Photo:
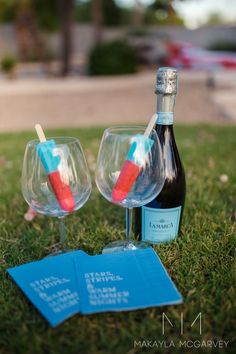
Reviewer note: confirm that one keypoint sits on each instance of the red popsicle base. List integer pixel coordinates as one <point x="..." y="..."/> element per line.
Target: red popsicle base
<point x="126" y="179"/>
<point x="62" y="192"/>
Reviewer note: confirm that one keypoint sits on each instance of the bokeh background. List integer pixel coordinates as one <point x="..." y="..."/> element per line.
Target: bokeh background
<point x="78" y="67"/>
<point x="69" y="63"/>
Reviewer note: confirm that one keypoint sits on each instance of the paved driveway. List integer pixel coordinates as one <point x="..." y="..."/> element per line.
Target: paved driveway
<point x="102" y="101"/>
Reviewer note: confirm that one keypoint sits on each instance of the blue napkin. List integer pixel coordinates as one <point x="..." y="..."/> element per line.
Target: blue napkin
<point x="50" y="284"/>
<point x="64" y="285"/>
<point x="124" y="281"/>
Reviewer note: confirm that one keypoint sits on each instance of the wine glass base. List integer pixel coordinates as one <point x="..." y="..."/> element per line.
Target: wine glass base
<point x="121" y="246"/>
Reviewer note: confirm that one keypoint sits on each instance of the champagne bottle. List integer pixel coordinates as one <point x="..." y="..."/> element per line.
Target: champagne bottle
<point x="160" y="220"/>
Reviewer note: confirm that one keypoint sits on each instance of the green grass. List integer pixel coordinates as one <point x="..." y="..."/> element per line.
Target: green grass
<point x="201" y="261"/>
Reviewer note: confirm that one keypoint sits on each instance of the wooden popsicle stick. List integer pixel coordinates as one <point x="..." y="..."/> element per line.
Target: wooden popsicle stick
<point x="40" y="133"/>
<point x="150" y="125"/>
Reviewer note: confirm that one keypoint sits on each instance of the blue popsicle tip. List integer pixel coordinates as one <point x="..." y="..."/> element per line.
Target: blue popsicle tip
<point x="140" y="147"/>
<point x="45" y="151"/>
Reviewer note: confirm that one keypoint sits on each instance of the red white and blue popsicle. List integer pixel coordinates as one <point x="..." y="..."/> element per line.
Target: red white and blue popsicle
<point x="140" y="147"/>
<point x="50" y="161"/>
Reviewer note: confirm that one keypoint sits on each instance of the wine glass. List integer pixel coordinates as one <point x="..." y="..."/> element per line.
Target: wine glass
<point x="43" y="194"/>
<point x="119" y="145"/>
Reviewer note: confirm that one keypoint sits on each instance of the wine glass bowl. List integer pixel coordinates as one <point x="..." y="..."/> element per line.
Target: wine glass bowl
<point x="115" y="146"/>
<point x="36" y="187"/>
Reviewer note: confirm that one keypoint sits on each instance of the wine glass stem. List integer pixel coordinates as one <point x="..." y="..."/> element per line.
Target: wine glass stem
<point x="62" y="232"/>
<point x="128" y="223"/>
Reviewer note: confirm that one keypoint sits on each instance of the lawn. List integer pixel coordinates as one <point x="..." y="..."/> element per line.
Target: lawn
<point x="201" y="262"/>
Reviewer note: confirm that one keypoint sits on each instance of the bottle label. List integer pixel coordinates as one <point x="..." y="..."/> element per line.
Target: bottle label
<point x="160" y="225"/>
<point x="165" y="118"/>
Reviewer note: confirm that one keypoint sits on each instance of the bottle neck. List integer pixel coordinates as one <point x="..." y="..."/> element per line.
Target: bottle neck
<point x="165" y="109"/>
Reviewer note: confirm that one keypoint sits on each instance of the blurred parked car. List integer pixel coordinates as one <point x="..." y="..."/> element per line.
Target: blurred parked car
<point x="187" y="56"/>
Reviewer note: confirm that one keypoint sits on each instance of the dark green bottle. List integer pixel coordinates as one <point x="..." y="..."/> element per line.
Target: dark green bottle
<point x="160" y="220"/>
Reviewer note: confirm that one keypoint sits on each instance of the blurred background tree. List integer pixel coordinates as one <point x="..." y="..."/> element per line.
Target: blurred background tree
<point x="23" y="15"/>
<point x="97" y="16"/>
<point x="66" y="15"/>
<point x="162" y="12"/>
<point x="47" y="14"/>
<point x="31" y="17"/>
<point x="138" y="14"/>
<point x="215" y="18"/>
<point x="112" y="14"/>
